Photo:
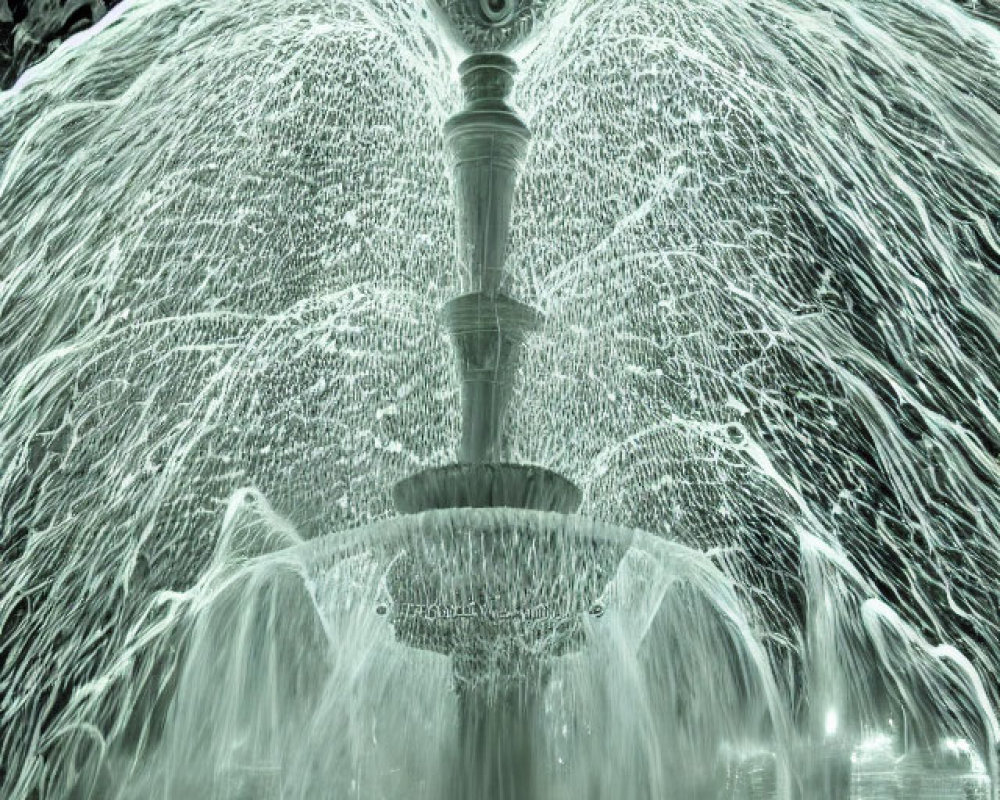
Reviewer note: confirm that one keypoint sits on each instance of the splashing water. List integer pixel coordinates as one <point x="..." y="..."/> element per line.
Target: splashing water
<point x="765" y="239"/>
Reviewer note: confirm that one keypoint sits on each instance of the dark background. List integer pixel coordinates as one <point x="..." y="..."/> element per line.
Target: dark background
<point x="31" y="29"/>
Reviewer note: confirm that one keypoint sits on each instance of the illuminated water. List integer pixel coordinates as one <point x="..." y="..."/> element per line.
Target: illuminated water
<point x="765" y="238"/>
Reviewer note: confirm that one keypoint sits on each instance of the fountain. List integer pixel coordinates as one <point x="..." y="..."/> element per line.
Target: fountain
<point x="722" y="520"/>
<point x="507" y="588"/>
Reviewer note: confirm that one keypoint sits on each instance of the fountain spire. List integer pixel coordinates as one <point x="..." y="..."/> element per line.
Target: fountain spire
<point x="511" y="601"/>
<point x="486" y="143"/>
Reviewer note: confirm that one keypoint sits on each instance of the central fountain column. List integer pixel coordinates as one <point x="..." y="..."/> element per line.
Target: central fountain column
<point x="503" y="599"/>
<point x="487" y="143"/>
<point x="497" y="703"/>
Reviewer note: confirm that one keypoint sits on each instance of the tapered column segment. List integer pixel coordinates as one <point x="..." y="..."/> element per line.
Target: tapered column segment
<point x="487" y="143"/>
<point x="487" y="333"/>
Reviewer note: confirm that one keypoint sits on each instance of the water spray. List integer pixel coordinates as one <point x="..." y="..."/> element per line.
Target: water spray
<point x="761" y="235"/>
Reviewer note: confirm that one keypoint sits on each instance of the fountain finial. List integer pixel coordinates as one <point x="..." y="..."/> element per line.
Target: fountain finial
<point x="479" y="26"/>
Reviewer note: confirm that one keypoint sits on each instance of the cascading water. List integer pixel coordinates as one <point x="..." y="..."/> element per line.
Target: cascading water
<point x="755" y="246"/>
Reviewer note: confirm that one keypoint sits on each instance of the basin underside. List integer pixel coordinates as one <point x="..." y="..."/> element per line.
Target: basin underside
<point x="500" y="590"/>
<point x="486" y="486"/>
<point x="500" y="594"/>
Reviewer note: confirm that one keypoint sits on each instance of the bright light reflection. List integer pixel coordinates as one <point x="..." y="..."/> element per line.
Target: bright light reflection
<point x="830" y="726"/>
<point x="956" y="746"/>
<point x="879" y="741"/>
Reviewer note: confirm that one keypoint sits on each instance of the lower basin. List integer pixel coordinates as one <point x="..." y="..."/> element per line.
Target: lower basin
<point x="495" y="653"/>
<point x="500" y="590"/>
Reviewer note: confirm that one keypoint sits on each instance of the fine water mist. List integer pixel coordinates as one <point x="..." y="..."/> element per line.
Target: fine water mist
<point x="765" y="241"/>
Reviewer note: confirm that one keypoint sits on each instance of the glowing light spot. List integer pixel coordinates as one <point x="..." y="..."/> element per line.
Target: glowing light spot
<point x="831" y="722"/>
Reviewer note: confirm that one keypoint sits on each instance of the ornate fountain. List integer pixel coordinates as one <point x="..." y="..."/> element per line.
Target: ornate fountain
<point x="517" y="586"/>
<point x="173" y="294"/>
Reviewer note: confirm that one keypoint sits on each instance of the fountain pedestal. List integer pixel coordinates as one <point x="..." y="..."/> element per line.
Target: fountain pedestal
<point x="497" y="741"/>
<point x="502" y="592"/>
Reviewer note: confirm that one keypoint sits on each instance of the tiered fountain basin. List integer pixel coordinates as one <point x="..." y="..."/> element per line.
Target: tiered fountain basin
<point x="501" y="590"/>
<point x="443" y="653"/>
